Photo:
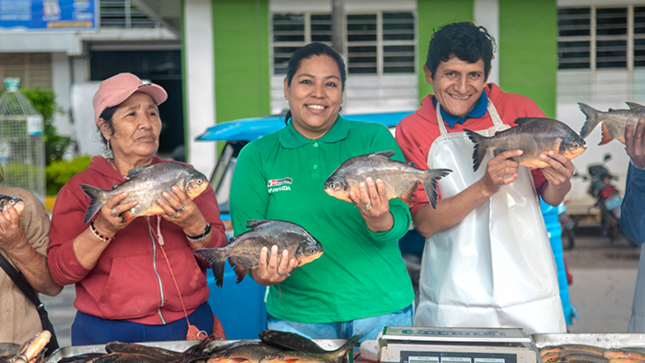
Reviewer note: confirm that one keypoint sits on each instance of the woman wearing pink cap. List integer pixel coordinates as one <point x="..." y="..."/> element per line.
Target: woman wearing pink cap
<point x="126" y="287"/>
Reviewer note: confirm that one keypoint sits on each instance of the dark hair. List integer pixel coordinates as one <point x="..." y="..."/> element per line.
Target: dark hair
<point x="106" y="115"/>
<point x="466" y="41"/>
<point x="308" y="51"/>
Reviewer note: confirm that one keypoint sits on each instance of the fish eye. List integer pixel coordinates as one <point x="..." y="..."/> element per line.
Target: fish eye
<point x="332" y="185"/>
<point x="199" y="181"/>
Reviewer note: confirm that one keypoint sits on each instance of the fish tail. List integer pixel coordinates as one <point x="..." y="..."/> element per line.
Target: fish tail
<point x="429" y="181"/>
<point x="217" y="258"/>
<point x="479" y="153"/>
<point x="592" y="119"/>
<point x="96" y="195"/>
<point x="352" y="342"/>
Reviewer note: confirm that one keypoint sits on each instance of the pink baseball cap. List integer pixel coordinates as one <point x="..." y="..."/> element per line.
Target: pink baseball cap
<point x="117" y="89"/>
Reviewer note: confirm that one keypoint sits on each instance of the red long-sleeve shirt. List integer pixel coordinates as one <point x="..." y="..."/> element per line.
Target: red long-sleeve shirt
<point x="131" y="280"/>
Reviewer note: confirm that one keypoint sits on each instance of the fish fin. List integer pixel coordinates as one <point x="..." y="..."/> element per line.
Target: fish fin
<point x="479" y="153"/>
<point x="134" y="172"/>
<point x="255" y="223"/>
<point x="386" y="153"/>
<point x="605" y="135"/>
<point x="240" y="272"/>
<point x="634" y="105"/>
<point x="127" y="216"/>
<point x="349" y="344"/>
<point x="114" y="186"/>
<point x="217" y="258"/>
<point x="429" y="182"/>
<point x="522" y="120"/>
<point x="411" y="164"/>
<point x="407" y="196"/>
<point x="95" y="204"/>
<point x="592" y="119"/>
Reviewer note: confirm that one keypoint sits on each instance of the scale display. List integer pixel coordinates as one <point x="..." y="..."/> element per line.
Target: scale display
<point x="454" y="357"/>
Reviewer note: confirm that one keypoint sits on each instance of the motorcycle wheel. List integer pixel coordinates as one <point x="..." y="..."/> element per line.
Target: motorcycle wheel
<point x="568" y="239"/>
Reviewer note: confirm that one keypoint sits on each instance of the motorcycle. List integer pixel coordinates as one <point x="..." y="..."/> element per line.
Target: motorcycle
<point x="608" y="201"/>
<point x="568" y="226"/>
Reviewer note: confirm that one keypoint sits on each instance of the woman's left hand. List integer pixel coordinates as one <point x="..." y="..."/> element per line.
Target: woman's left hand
<point x="373" y="205"/>
<point x="182" y="211"/>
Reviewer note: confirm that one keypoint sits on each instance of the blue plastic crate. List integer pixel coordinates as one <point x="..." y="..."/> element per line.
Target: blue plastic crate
<point x="240" y="308"/>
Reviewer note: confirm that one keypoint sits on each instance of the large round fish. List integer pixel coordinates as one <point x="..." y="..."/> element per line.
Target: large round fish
<point x="243" y="351"/>
<point x="534" y="136"/>
<point x="7" y="200"/>
<point x="290" y="341"/>
<point x="243" y="251"/>
<point x="335" y="356"/>
<point x="400" y="179"/>
<point x="145" y="185"/>
<point x="613" y="121"/>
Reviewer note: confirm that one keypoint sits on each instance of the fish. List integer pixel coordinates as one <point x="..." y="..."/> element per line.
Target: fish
<point x="613" y="121"/>
<point x="534" y="136"/>
<point x="243" y="351"/>
<point x="145" y="184"/>
<point x="31" y="350"/>
<point x="290" y="341"/>
<point x="594" y="358"/>
<point x="566" y="347"/>
<point x="624" y="354"/>
<point x="9" y="349"/>
<point x="7" y="200"/>
<point x="159" y="353"/>
<point x="81" y="358"/>
<point x="400" y="179"/>
<point x="565" y="353"/>
<point x="336" y="356"/>
<point x="243" y="251"/>
<point x="127" y="358"/>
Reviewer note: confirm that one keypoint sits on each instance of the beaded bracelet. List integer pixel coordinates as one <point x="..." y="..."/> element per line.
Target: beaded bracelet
<point x="200" y="237"/>
<point x="96" y="234"/>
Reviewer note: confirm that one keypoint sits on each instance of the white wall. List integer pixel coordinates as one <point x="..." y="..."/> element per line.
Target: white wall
<point x="61" y="84"/>
<point x="200" y="82"/>
<point x="486" y="14"/>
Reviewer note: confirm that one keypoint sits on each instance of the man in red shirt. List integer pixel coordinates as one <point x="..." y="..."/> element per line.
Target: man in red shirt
<point x="488" y="261"/>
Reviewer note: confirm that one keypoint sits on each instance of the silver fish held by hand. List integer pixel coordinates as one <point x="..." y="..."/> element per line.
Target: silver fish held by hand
<point x="145" y="185"/>
<point x="613" y="121"/>
<point x="534" y="136"/>
<point x="7" y="200"/>
<point x="243" y="251"/>
<point x="400" y="179"/>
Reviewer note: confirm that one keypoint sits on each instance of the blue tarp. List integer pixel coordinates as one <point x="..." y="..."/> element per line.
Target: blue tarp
<point x="250" y="129"/>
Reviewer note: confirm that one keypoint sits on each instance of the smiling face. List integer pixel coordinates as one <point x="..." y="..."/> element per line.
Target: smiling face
<point x="457" y="85"/>
<point x="315" y="96"/>
<point x="136" y="126"/>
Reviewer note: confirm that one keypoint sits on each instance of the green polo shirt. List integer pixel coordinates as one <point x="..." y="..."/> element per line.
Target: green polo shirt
<point x="361" y="274"/>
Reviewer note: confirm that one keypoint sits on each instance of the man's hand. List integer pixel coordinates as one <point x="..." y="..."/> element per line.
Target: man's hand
<point x="559" y="171"/>
<point x="635" y="143"/>
<point x="11" y="234"/>
<point x="497" y="168"/>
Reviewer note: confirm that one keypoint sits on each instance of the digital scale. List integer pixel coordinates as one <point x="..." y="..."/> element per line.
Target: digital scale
<point x="456" y="345"/>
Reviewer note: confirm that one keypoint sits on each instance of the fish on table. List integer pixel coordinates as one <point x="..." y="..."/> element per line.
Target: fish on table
<point x="243" y="351"/>
<point x="400" y="179"/>
<point x="534" y="136"/>
<point x="155" y="352"/>
<point x="8" y="200"/>
<point x="613" y="121"/>
<point x="145" y="185"/>
<point x="335" y="356"/>
<point x="32" y="350"/>
<point x="243" y="251"/>
<point x="290" y="341"/>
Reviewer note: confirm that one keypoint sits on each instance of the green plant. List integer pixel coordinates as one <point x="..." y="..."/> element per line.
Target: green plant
<point x="58" y="172"/>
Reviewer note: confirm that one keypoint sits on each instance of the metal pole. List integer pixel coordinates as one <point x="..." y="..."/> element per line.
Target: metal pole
<point x="337" y="21"/>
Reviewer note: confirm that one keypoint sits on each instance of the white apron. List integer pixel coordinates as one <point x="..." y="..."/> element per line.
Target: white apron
<point x="496" y="267"/>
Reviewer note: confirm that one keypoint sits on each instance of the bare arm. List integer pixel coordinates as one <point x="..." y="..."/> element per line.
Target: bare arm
<point x="30" y="263"/>
<point x="453" y="210"/>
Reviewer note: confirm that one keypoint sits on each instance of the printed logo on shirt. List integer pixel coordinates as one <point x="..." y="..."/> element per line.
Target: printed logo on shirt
<point x="279" y="185"/>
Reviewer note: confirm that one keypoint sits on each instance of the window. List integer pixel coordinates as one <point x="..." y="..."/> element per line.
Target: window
<point x="122" y="14"/>
<point x="601" y="37"/>
<point x="375" y="44"/>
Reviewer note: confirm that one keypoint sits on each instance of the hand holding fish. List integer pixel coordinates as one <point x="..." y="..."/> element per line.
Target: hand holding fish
<point x="635" y="142"/>
<point x="182" y="211"/>
<point x="559" y="171"/>
<point x="110" y="219"/>
<point x="496" y="170"/>
<point x="374" y="205"/>
<point x="271" y="272"/>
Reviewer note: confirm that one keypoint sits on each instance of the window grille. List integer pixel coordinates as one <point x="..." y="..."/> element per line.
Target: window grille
<point x="600" y="37"/>
<point x="122" y="14"/>
<point x="375" y="44"/>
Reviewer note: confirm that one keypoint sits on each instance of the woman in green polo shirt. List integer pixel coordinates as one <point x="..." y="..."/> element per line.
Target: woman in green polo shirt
<point x="360" y="283"/>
